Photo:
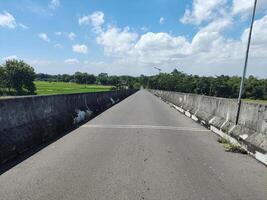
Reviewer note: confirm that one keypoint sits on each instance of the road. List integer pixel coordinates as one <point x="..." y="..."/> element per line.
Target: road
<point x="139" y="149"/>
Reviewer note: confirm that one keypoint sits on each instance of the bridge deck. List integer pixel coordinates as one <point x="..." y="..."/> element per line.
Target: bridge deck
<point x="138" y="149"/>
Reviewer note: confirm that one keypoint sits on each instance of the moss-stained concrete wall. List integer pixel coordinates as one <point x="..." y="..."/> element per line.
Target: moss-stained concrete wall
<point x="29" y="121"/>
<point x="219" y="115"/>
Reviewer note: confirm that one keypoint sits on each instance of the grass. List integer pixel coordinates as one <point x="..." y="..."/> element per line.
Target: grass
<point x="229" y="147"/>
<point x="256" y="101"/>
<point x="45" y="87"/>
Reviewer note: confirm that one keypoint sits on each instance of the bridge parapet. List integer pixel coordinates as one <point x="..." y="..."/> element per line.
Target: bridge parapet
<point x="219" y="115"/>
<point x="31" y="120"/>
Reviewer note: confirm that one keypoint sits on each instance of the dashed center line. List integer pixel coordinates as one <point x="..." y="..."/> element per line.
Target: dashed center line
<point x="118" y="126"/>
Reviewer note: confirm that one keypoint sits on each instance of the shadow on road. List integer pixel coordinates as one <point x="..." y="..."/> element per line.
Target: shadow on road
<point x="25" y="155"/>
<point x="20" y="158"/>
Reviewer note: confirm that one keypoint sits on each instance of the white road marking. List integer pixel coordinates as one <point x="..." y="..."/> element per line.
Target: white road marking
<point x="118" y="126"/>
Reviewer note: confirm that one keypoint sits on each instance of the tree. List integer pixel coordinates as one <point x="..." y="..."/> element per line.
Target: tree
<point x="84" y="78"/>
<point x="66" y="78"/>
<point x="80" y="77"/>
<point x="113" y="80"/>
<point x="220" y="86"/>
<point x="90" y="79"/>
<point x="143" y="80"/>
<point x="2" y="80"/>
<point x="103" y="78"/>
<point x="19" y="76"/>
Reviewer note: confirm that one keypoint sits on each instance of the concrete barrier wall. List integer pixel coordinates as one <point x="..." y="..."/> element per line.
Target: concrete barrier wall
<point x="219" y="115"/>
<point x="29" y="121"/>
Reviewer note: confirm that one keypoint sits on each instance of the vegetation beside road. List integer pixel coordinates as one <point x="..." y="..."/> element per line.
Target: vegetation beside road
<point x="230" y="147"/>
<point x="255" y="101"/>
<point x="17" y="78"/>
<point x="45" y="87"/>
<point x="219" y="86"/>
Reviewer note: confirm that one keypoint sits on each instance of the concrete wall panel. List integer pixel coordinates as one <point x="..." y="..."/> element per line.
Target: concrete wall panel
<point x="29" y="121"/>
<point x="220" y="114"/>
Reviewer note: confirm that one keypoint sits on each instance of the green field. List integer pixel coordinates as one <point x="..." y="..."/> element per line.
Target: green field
<point x="44" y="87"/>
<point x="256" y="101"/>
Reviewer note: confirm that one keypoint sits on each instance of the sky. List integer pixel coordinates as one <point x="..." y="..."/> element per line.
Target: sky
<point x="125" y="37"/>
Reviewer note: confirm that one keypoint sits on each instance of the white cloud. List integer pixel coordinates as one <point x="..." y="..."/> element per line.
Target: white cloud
<point x="161" y="20"/>
<point x="60" y="46"/>
<point x="23" y="26"/>
<point x="71" y="61"/>
<point x="218" y="25"/>
<point x="244" y="7"/>
<point x="58" y="33"/>
<point x="159" y="47"/>
<point x="44" y="37"/>
<point x="208" y="10"/>
<point x="144" y="28"/>
<point x="85" y="20"/>
<point x="202" y="10"/>
<point x="241" y="6"/>
<point x="259" y="39"/>
<point x="148" y="48"/>
<point x="71" y="36"/>
<point x="7" y="20"/>
<point x="259" y="35"/>
<point x="80" y="48"/>
<point x="54" y="4"/>
<point x="205" y="41"/>
<point x="208" y="52"/>
<point x="115" y="40"/>
<point x="96" y="20"/>
<point x="10" y="57"/>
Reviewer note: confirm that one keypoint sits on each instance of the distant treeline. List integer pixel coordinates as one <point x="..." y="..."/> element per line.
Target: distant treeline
<point x="16" y="78"/>
<point x="220" y="86"/>
<point x="85" y="78"/>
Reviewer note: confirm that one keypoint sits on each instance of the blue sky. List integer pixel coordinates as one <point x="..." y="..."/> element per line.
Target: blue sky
<point x="205" y="37"/>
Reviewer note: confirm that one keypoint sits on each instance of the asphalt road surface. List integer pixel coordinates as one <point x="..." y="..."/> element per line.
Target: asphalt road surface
<point x="139" y="149"/>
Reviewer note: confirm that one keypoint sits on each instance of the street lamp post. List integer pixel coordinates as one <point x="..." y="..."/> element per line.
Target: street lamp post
<point x="158" y="69"/>
<point x="245" y="65"/>
<point x="159" y="73"/>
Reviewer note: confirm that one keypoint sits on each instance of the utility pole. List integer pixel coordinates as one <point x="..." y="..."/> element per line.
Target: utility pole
<point x="245" y="65"/>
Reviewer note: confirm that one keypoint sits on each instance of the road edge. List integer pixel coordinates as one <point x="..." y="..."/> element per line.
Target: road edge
<point x="262" y="158"/>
